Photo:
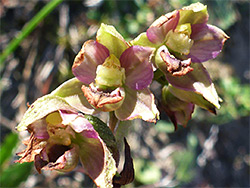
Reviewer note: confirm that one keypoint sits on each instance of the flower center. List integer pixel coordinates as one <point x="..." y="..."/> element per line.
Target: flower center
<point x="179" y="40"/>
<point x="110" y="74"/>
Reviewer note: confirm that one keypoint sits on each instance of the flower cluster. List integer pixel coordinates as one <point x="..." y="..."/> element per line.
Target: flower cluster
<point x="112" y="75"/>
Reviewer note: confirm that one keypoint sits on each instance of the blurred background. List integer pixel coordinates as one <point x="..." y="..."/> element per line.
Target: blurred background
<point x="212" y="151"/>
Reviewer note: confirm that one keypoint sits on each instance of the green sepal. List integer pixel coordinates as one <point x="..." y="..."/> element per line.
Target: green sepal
<point x="195" y="98"/>
<point x="142" y="40"/>
<point x="195" y="13"/>
<point x="67" y="96"/>
<point x="109" y="37"/>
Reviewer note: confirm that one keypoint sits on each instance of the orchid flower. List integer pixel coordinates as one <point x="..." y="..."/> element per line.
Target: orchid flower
<point x="183" y="40"/>
<point x="116" y="76"/>
<point x="60" y="137"/>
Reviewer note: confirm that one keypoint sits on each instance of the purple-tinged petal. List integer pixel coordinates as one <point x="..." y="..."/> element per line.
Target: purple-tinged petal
<point x="39" y="128"/>
<point x="179" y="112"/>
<point x="192" y="97"/>
<point x="109" y="169"/>
<point x="197" y="81"/>
<point x="92" y="155"/>
<point x="139" y="72"/>
<point x="156" y="35"/>
<point x="157" y="32"/>
<point x="208" y="42"/>
<point x="77" y="121"/>
<point x="90" y="56"/>
<point x="90" y="134"/>
<point x="138" y="104"/>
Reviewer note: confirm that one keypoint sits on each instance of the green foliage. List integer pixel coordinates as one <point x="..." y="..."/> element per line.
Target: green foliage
<point x="7" y="148"/>
<point x="146" y="172"/>
<point x="164" y="126"/>
<point x="28" y="28"/>
<point x="185" y="160"/>
<point x="221" y="13"/>
<point x="236" y="97"/>
<point x="12" y="175"/>
<point x="15" y="174"/>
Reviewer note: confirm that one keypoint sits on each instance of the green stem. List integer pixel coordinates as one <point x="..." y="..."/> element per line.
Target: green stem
<point x="27" y="29"/>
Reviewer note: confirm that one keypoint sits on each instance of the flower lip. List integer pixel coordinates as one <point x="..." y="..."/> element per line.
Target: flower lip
<point x="99" y="98"/>
<point x="174" y="66"/>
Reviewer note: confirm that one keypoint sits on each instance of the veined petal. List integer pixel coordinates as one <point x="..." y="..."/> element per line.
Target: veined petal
<point x="105" y="178"/>
<point x="192" y="97"/>
<point x="195" y="13"/>
<point x="139" y="72"/>
<point x="39" y="128"/>
<point x="97" y="161"/>
<point x="138" y="104"/>
<point x="41" y="108"/>
<point x="157" y="32"/>
<point x="156" y="35"/>
<point x="91" y="155"/>
<point x="90" y="56"/>
<point x="108" y="36"/>
<point x="105" y="134"/>
<point x="71" y="92"/>
<point x="208" y="42"/>
<point x="197" y="81"/>
<point x="67" y="96"/>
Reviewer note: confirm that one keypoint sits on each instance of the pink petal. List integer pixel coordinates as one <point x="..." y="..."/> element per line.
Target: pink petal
<point x="157" y="32"/>
<point x="188" y="81"/>
<point x="139" y="72"/>
<point x="78" y="123"/>
<point x="91" y="55"/>
<point x="92" y="156"/>
<point x="208" y="42"/>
